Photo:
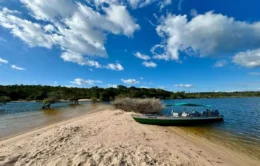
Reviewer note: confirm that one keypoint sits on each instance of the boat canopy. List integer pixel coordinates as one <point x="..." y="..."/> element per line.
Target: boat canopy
<point x="187" y="104"/>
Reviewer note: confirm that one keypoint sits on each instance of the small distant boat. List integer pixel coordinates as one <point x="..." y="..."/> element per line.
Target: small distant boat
<point x="181" y="119"/>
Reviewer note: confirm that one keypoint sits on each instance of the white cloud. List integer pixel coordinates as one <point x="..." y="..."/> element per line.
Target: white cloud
<point x="134" y="3"/>
<point x="164" y="3"/>
<point x="50" y="10"/>
<point x="142" y="56"/>
<point x="77" y="58"/>
<point x="122" y="19"/>
<point x="49" y="28"/>
<point x="184" y="85"/>
<point x="3" y="61"/>
<point x="116" y="66"/>
<point x="249" y="58"/>
<point x="144" y="87"/>
<point x="17" y="68"/>
<point x="80" y="81"/>
<point x="31" y="33"/>
<point x="140" y="3"/>
<point x="206" y="34"/>
<point x="149" y="64"/>
<point x="254" y="73"/>
<point x="130" y="81"/>
<point x="220" y="63"/>
<point x="79" y="30"/>
<point x="111" y="85"/>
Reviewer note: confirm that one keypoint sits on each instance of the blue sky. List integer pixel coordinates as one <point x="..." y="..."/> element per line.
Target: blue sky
<point x="177" y="45"/>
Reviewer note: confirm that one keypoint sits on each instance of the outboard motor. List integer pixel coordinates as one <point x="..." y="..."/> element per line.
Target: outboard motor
<point x="214" y="113"/>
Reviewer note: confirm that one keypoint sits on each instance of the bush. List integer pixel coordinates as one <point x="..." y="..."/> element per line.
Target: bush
<point x="4" y="100"/>
<point x="93" y="99"/>
<point x="145" y="106"/>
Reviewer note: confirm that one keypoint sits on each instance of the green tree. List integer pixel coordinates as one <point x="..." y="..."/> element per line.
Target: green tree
<point x="4" y="100"/>
<point x="53" y="98"/>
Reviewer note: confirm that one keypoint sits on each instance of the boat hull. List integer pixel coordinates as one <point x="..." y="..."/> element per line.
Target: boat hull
<point x="179" y="121"/>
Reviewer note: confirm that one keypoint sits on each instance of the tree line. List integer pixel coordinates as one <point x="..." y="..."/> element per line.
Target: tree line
<point x="39" y="92"/>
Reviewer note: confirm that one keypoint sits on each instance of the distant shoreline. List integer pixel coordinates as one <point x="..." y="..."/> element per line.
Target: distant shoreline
<point x="98" y="100"/>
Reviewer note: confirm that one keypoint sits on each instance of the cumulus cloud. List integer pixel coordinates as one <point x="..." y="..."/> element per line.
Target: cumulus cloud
<point x="184" y="85"/>
<point x="3" y="61"/>
<point x="17" y="67"/>
<point x="31" y="33"/>
<point x="79" y="30"/>
<point x="206" y="34"/>
<point x="80" y="81"/>
<point x="149" y="64"/>
<point x="250" y="58"/>
<point x="220" y="63"/>
<point x="130" y="81"/>
<point x="142" y="56"/>
<point x="77" y="58"/>
<point x="116" y="66"/>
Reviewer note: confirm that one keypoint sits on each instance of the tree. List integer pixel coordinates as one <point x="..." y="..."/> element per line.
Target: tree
<point x="53" y="98"/>
<point x="93" y="100"/>
<point x="4" y="100"/>
<point x="74" y="100"/>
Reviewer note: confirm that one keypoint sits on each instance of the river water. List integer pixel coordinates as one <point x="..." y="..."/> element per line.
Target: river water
<point x="239" y="131"/>
<point x="20" y="117"/>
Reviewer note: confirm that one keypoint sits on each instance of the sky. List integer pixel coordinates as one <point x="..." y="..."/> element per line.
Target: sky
<point x="176" y="45"/>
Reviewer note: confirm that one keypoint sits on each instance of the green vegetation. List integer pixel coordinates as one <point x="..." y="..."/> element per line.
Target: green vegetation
<point x="145" y="106"/>
<point x="93" y="100"/>
<point x="53" y="97"/>
<point x="74" y="99"/>
<point x="39" y="93"/>
<point x="4" y="100"/>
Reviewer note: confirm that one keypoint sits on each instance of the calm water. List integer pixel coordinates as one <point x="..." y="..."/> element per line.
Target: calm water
<point x="240" y="129"/>
<point x="16" y="118"/>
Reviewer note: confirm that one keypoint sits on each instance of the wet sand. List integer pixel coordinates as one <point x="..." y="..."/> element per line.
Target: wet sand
<point x="112" y="137"/>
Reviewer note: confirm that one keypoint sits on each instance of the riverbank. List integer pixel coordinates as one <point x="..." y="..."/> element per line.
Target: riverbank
<point x="112" y="137"/>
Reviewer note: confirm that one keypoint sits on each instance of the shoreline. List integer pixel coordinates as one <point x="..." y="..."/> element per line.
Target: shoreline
<point x="115" y="131"/>
<point x="100" y="108"/>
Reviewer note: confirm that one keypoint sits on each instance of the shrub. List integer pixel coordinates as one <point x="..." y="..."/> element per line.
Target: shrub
<point x="145" y="106"/>
<point x="93" y="100"/>
<point x="4" y="100"/>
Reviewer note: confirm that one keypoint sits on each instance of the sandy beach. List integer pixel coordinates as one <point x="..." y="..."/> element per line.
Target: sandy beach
<point x="112" y="137"/>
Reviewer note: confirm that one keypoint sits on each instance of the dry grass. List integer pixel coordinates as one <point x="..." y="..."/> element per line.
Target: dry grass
<point x="146" y="106"/>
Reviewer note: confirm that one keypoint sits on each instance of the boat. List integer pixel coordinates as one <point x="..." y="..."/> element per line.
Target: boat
<point x="181" y="118"/>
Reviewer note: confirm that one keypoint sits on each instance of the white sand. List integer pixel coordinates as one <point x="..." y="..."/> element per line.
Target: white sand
<point x="112" y="137"/>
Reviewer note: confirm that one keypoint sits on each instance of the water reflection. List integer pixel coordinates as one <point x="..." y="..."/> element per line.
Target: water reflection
<point x="51" y="112"/>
